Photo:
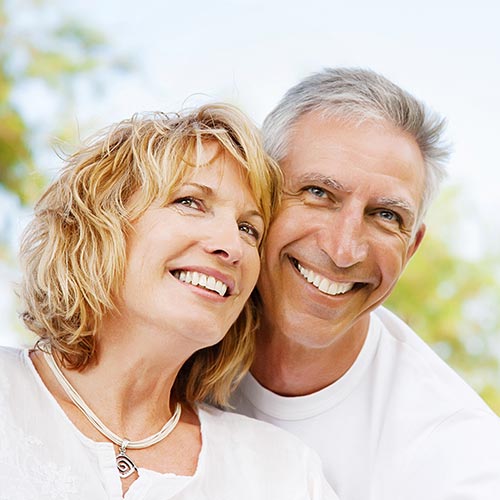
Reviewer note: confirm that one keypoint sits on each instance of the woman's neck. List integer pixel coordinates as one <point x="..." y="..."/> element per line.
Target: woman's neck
<point x="128" y="384"/>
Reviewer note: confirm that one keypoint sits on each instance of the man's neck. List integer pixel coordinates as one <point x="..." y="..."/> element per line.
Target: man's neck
<point x="289" y="368"/>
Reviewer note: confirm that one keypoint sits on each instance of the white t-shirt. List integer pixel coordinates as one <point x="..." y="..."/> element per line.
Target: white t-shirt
<point x="44" y="456"/>
<point x="399" y="425"/>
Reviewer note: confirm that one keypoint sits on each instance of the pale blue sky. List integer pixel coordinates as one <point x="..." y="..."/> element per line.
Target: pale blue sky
<point x="250" y="52"/>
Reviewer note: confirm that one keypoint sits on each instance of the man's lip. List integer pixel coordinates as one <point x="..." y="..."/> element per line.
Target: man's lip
<point x="341" y="281"/>
<point x="209" y="271"/>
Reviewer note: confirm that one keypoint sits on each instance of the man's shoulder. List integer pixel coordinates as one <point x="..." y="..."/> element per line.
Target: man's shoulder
<point x="404" y="356"/>
<point x="395" y="366"/>
<point x="397" y="329"/>
<point x="284" y="460"/>
<point x="244" y="428"/>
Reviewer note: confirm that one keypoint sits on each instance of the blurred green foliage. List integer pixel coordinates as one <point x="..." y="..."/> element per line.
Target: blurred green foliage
<point x="55" y="56"/>
<point x="452" y="302"/>
<point x="45" y="58"/>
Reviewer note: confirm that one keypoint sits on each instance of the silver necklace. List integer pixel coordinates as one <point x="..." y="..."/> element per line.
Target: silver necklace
<point x="124" y="463"/>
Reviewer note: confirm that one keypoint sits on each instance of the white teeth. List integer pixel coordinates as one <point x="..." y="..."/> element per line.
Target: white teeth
<point x="202" y="280"/>
<point x="324" y="284"/>
<point x="211" y="283"/>
<point x="220" y="288"/>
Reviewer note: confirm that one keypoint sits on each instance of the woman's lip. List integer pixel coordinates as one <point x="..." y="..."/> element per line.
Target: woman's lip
<point x="210" y="271"/>
<point x="204" y="292"/>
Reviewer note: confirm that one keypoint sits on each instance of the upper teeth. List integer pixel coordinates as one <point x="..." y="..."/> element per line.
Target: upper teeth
<point x="322" y="283"/>
<point x="202" y="280"/>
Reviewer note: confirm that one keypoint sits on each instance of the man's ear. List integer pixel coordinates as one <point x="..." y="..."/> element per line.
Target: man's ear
<point x="419" y="236"/>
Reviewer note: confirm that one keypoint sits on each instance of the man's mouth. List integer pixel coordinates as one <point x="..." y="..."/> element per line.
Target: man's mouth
<point x="201" y="280"/>
<point x="322" y="283"/>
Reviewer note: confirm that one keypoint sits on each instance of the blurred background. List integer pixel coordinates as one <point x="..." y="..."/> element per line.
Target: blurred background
<point x="68" y="69"/>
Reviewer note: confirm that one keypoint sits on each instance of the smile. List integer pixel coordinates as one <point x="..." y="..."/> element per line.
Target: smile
<point x="201" y="280"/>
<point x="321" y="283"/>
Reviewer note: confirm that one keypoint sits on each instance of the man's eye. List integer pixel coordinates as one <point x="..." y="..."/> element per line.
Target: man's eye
<point x="316" y="191"/>
<point x="251" y="230"/>
<point x="190" y="202"/>
<point x="390" y="216"/>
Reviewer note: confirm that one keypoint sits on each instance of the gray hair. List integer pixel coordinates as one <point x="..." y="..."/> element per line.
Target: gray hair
<point x="358" y="95"/>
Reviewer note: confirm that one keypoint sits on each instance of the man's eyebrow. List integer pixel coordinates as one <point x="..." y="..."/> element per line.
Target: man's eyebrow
<point x="400" y="204"/>
<point x="325" y="180"/>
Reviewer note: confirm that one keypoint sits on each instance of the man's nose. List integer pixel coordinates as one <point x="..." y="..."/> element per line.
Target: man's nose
<point x="345" y="239"/>
<point x="225" y="241"/>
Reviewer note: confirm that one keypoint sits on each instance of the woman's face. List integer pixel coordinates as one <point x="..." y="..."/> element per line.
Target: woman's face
<point x="193" y="262"/>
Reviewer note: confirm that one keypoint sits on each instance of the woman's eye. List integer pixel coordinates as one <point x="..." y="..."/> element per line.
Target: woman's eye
<point x="252" y="231"/>
<point x="316" y="191"/>
<point x="190" y="202"/>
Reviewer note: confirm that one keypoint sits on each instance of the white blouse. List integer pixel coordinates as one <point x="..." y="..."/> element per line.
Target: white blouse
<point x="43" y="456"/>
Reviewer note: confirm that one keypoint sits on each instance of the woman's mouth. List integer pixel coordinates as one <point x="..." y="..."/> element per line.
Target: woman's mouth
<point x="202" y="281"/>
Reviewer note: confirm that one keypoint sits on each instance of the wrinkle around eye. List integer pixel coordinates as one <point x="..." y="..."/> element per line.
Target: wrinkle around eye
<point x="302" y="197"/>
<point x="290" y="193"/>
<point x="304" y="192"/>
<point x="394" y="225"/>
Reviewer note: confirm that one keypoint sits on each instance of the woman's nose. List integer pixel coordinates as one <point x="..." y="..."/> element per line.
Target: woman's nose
<point x="225" y="241"/>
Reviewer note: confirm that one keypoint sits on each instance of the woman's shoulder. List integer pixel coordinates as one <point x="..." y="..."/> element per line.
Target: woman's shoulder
<point x="15" y="385"/>
<point x="12" y="359"/>
<point x="11" y="353"/>
<point x="15" y="373"/>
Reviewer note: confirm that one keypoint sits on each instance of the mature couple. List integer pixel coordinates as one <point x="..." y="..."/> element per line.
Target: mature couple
<point x="141" y="257"/>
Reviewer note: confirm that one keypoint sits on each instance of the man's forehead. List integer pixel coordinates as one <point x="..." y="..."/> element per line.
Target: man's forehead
<point x="357" y="148"/>
<point x="344" y="131"/>
<point x="336" y="149"/>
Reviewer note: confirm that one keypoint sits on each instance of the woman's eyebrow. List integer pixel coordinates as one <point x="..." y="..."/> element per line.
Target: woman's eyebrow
<point x="202" y="187"/>
<point x="254" y="213"/>
<point x="210" y="192"/>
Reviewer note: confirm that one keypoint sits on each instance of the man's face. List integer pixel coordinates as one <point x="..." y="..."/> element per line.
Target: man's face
<point x="345" y="230"/>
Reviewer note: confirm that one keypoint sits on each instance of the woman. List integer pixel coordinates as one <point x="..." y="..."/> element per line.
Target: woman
<point x="139" y="259"/>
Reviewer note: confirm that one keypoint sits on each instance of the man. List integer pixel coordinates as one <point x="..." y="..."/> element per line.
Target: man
<point x="362" y="160"/>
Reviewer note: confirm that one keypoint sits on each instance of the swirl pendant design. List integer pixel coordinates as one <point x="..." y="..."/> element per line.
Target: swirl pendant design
<point x="125" y="465"/>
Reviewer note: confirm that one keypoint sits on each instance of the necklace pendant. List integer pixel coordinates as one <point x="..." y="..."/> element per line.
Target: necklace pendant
<point x="125" y="465"/>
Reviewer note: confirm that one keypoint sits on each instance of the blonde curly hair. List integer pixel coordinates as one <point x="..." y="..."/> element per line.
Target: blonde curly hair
<point x="73" y="252"/>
